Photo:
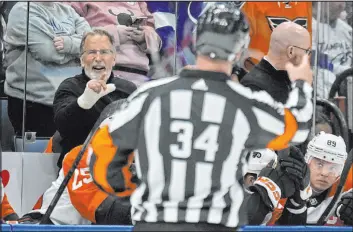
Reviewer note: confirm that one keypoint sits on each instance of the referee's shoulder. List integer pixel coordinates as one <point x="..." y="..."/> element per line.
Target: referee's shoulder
<point x="150" y="86"/>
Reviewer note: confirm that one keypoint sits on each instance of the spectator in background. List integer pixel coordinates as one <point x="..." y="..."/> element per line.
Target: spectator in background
<point x="55" y="32"/>
<point x="79" y="100"/>
<point x="343" y="16"/>
<point x="289" y="42"/>
<point x="5" y="8"/>
<point x="133" y="43"/>
<point x="175" y="24"/>
<point x="349" y="10"/>
<point x="2" y="33"/>
<point x="334" y="47"/>
<point x="347" y="13"/>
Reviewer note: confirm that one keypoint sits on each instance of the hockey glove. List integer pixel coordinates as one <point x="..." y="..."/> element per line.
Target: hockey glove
<point x="345" y="208"/>
<point x="30" y="218"/>
<point x="294" y="164"/>
<point x="297" y="203"/>
<point x="273" y="184"/>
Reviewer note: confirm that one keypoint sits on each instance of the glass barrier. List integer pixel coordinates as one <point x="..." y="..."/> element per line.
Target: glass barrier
<point x="7" y="55"/>
<point x="34" y="64"/>
<point x="40" y="48"/>
<point x="332" y="43"/>
<point x="332" y="58"/>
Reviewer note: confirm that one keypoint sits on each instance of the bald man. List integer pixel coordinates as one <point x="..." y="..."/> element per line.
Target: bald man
<point x="289" y="42"/>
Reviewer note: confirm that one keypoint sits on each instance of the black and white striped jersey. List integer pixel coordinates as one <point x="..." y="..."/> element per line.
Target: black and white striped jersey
<point x="188" y="134"/>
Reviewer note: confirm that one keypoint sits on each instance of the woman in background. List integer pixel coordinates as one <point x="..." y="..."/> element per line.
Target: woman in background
<point x="54" y="37"/>
<point x="132" y="26"/>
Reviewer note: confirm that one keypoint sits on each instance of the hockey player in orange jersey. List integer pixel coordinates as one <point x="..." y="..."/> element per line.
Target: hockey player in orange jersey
<point x="326" y="155"/>
<point x="257" y="160"/>
<point x="92" y="203"/>
<point x="83" y="202"/>
<point x="263" y="17"/>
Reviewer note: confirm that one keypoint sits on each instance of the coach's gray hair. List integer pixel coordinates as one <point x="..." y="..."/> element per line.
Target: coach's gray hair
<point x="97" y="32"/>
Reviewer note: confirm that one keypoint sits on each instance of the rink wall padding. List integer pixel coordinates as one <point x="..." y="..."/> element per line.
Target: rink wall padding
<point x="20" y="228"/>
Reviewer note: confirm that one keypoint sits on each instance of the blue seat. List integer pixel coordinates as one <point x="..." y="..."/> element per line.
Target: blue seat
<point x="38" y="145"/>
<point x="10" y="142"/>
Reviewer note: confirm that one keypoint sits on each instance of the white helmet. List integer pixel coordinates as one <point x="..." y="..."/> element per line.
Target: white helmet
<point x="328" y="147"/>
<point x="258" y="159"/>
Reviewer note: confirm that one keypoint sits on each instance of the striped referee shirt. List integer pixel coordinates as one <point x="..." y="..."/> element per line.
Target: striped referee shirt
<point x="187" y="135"/>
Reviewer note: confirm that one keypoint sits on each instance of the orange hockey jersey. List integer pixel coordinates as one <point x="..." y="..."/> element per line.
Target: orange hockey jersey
<point x="80" y="198"/>
<point x="81" y="192"/>
<point x="263" y="17"/>
<point x="6" y="208"/>
<point x="85" y="196"/>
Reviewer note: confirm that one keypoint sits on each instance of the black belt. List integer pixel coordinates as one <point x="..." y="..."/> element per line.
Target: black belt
<point x="130" y="70"/>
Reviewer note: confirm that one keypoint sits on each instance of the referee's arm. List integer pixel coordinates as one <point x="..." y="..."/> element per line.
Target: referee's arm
<point x="278" y="124"/>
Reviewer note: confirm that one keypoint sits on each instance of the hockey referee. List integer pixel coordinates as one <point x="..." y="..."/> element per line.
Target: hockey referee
<point x="187" y="134"/>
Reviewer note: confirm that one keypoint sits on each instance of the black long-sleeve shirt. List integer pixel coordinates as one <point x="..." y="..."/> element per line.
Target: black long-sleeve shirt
<point x="75" y="123"/>
<point x="265" y="77"/>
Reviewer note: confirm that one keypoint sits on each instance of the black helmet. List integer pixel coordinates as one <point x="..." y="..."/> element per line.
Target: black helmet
<point x="222" y="32"/>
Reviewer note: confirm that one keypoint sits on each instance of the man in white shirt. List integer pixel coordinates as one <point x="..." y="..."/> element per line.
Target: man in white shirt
<point x="334" y="47"/>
